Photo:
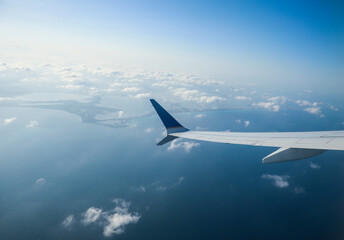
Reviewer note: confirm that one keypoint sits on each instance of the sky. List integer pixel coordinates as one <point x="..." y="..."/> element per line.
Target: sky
<point x="281" y="43"/>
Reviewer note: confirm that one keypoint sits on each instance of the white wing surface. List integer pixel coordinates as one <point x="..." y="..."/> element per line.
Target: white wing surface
<point x="327" y="140"/>
<point x="292" y="145"/>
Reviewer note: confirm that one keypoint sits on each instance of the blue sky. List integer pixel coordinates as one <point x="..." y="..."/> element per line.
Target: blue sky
<point x="264" y="42"/>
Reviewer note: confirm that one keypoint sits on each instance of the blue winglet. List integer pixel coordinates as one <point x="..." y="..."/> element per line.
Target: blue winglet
<point x="171" y="124"/>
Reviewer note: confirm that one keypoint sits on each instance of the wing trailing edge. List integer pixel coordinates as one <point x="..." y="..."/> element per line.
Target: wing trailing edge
<point x="291" y="154"/>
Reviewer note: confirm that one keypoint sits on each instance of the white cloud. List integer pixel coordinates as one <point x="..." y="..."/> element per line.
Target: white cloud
<point x="140" y="189"/>
<point x="119" y="218"/>
<point x="185" y="92"/>
<point x="195" y="95"/>
<point x="209" y="99"/>
<point x="161" y="188"/>
<point x="313" y="110"/>
<point x="67" y="223"/>
<point x="187" y="146"/>
<point x="9" y="120"/>
<point x="71" y="86"/>
<point x="242" y="98"/>
<point x="113" y="221"/>
<point x="314" y="165"/>
<point x="175" y="184"/>
<point x="278" y="99"/>
<point x="279" y="181"/>
<point x="164" y="133"/>
<point x="40" y="181"/>
<point x="245" y="122"/>
<point x="91" y="215"/>
<point x="149" y="130"/>
<point x="32" y="124"/>
<point x="334" y="108"/>
<point x="311" y="107"/>
<point x="142" y="95"/>
<point x="271" y="106"/>
<point x="130" y="89"/>
<point x="299" y="190"/>
<point x="179" y="180"/>
<point x="304" y="103"/>
<point x="201" y="115"/>
<point x="120" y="114"/>
<point x="5" y="98"/>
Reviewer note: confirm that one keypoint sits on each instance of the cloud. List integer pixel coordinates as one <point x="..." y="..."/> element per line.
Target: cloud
<point x="113" y="221"/>
<point x="196" y="96"/>
<point x="67" y="223"/>
<point x="271" y="106"/>
<point x="182" y="91"/>
<point x="247" y="123"/>
<point x="130" y="89"/>
<point x="118" y="218"/>
<point x="299" y="190"/>
<point x="241" y="98"/>
<point x="279" y="181"/>
<point x="32" y="124"/>
<point x="71" y="86"/>
<point x="9" y="120"/>
<point x="187" y="146"/>
<point x="142" y="95"/>
<point x="91" y="215"/>
<point x="175" y="184"/>
<point x="201" y="115"/>
<point x="5" y="98"/>
<point x="334" y="108"/>
<point x="209" y="99"/>
<point x="149" y="130"/>
<point x="304" y="103"/>
<point x="179" y="180"/>
<point x="120" y="114"/>
<point x="313" y="110"/>
<point x="314" y="165"/>
<point x="140" y="189"/>
<point x="272" y="103"/>
<point x="278" y="99"/>
<point x="161" y="188"/>
<point x="40" y="181"/>
<point x="311" y="107"/>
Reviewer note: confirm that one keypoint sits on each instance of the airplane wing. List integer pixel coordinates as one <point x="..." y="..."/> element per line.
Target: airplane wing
<point x="292" y="145"/>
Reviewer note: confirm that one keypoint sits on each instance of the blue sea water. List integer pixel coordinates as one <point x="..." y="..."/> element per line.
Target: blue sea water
<point x="215" y="191"/>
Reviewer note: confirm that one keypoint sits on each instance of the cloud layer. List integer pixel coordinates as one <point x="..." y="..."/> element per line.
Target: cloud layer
<point x="107" y="92"/>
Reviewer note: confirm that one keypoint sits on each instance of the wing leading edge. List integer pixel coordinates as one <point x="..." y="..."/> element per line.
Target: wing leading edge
<point x="292" y="145"/>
